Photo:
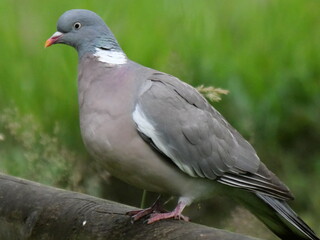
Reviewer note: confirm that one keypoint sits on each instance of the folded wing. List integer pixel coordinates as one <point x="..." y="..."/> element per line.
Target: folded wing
<point x="176" y="120"/>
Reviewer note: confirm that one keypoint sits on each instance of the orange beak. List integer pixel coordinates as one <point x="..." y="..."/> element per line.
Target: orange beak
<point x="53" y="39"/>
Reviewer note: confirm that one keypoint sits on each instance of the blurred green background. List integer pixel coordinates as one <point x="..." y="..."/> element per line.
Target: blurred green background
<point x="265" y="52"/>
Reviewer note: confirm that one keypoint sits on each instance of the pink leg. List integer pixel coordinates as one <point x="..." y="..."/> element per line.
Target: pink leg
<point x="138" y="214"/>
<point x="176" y="214"/>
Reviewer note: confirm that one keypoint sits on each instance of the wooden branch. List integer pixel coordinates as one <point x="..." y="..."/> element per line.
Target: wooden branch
<point x="29" y="210"/>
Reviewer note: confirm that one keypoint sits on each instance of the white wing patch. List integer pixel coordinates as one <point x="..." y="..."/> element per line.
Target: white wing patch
<point x="146" y="127"/>
<point x="110" y="57"/>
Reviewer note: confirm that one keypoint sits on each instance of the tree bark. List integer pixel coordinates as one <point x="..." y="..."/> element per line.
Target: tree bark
<point x="29" y="210"/>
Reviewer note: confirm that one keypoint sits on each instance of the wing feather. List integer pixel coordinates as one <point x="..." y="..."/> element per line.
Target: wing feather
<point x="187" y="129"/>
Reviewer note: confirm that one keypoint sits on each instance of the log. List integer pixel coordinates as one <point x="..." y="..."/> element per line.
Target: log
<point x="29" y="210"/>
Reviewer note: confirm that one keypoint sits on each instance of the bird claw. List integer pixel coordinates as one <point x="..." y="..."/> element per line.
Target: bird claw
<point x="160" y="216"/>
<point x="155" y="208"/>
<point x="175" y="214"/>
<point x="138" y="214"/>
<point x="157" y="213"/>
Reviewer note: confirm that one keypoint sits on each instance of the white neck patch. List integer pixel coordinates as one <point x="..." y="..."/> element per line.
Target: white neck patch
<point x="110" y="57"/>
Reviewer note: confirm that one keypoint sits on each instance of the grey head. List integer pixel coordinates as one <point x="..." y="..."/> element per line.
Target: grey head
<point x="85" y="31"/>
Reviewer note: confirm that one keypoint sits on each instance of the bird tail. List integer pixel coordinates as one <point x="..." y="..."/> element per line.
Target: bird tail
<point x="277" y="215"/>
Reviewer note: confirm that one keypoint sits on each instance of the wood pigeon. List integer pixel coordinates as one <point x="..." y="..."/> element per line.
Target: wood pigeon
<point x="158" y="133"/>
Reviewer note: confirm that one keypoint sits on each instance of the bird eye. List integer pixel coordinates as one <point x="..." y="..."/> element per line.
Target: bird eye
<point x="77" y="25"/>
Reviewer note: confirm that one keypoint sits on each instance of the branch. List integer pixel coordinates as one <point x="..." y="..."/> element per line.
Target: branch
<point x="29" y="210"/>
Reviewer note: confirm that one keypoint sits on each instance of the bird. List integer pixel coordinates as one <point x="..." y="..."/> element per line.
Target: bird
<point x="158" y="133"/>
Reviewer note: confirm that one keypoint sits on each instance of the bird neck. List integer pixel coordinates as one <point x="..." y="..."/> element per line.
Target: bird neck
<point x="102" y="45"/>
<point x="110" y="57"/>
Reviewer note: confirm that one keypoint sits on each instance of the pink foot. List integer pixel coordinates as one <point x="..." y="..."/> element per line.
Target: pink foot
<point x="175" y="214"/>
<point x="159" y="216"/>
<point x="155" y="208"/>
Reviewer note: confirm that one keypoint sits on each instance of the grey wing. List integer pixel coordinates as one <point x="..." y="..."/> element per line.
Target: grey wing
<point x="181" y="124"/>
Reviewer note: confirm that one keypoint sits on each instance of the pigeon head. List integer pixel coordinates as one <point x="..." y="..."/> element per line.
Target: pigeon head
<point x="85" y="31"/>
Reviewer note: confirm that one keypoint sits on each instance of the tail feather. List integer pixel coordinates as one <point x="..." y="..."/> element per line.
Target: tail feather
<point x="287" y="214"/>
<point x="277" y="215"/>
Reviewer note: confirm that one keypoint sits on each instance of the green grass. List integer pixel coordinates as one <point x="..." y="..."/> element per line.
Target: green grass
<point x="266" y="53"/>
